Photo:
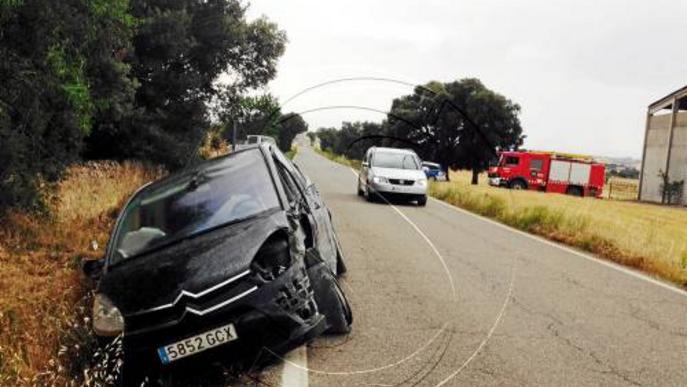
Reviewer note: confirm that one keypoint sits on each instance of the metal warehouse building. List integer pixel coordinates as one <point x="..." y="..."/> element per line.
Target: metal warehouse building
<point x="665" y="146"/>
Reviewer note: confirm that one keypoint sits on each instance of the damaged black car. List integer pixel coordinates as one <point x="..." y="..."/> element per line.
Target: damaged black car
<point x="225" y="259"/>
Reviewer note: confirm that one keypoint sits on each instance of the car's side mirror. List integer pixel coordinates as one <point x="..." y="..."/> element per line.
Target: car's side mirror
<point x="365" y="164"/>
<point x="93" y="268"/>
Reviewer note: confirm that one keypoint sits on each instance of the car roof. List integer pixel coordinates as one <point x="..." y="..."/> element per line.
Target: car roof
<point x="393" y="150"/>
<point x="429" y="163"/>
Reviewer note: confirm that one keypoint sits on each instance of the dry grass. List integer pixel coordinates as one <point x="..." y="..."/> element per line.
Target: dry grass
<point x="619" y="188"/>
<point x="646" y="236"/>
<point x="42" y="291"/>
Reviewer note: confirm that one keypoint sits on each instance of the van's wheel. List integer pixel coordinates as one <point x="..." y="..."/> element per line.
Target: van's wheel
<point x="422" y="201"/>
<point x="518" y="184"/>
<point x="370" y="196"/>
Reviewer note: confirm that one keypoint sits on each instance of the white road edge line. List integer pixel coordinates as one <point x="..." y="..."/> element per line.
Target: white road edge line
<point x="295" y="371"/>
<point x="588" y="257"/>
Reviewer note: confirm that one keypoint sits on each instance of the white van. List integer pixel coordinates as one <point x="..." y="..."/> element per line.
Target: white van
<point x="393" y="173"/>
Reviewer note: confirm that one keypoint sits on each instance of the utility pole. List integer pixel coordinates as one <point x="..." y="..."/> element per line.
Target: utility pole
<point x="233" y="136"/>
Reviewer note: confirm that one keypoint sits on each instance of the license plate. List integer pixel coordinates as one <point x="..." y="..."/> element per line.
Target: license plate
<point x="198" y="343"/>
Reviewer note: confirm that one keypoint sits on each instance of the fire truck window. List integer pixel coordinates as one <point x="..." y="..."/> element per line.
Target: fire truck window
<point x="511" y="160"/>
<point x="536" y="164"/>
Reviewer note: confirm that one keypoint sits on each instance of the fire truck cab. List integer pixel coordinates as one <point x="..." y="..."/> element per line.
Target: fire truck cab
<point x="549" y="172"/>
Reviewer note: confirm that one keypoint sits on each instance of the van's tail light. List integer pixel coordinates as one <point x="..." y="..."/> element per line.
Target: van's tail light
<point x="273" y="258"/>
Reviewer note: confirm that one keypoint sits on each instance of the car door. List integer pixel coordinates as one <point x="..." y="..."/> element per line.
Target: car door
<point x="317" y="202"/>
<point x="319" y="214"/>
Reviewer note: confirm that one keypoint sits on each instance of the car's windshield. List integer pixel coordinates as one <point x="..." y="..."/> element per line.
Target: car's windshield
<point x="395" y="160"/>
<point x="229" y="189"/>
<point x="252" y="139"/>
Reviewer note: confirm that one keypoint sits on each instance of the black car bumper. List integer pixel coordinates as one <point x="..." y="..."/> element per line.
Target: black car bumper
<point x="279" y="315"/>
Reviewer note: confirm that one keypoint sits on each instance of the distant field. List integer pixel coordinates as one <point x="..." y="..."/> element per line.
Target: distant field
<point x="646" y="236"/>
<point x="619" y="188"/>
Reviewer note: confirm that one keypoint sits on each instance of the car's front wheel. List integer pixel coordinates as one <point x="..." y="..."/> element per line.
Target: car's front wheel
<point x="131" y="373"/>
<point x="330" y="299"/>
<point x="422" y="201"/>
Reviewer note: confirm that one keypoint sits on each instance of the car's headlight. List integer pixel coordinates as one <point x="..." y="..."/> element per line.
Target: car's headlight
<point x="422" y="182"/>
<point x="380" y="179"/>
<point x="107" y="320"/>
<point x="273" y="258"/>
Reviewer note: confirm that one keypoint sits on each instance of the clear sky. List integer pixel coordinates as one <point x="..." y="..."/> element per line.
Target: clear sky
<point x="583" y="71"/>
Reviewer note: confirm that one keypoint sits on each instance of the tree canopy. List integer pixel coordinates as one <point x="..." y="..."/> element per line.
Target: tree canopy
<point x="349" y="139"/>
<point x="180" y="49"/>
<point x="61" y="71"/>
<point x="119" y="79"/>
<point x="460" y="124"/>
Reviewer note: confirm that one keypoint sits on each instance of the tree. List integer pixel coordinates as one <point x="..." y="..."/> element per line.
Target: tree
<point x="257" y="114"/>
<point x="312" y="136"/>
<point x="349" y="139"/>
<point x="460" y="124"/>
<point x="289" y="126"/>
<point x="59" y="76"/>
<point x="180" y="49"/>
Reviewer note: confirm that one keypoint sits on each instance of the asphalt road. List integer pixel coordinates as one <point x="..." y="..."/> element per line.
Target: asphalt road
<point x="441" y="297"/>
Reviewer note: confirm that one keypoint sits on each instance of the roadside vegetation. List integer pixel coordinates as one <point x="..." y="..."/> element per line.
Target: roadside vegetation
<point x="648" y="237"/>
<point x="44" y="337"/>
<point x="292" y="152"/>
<point x="339" y="158"/>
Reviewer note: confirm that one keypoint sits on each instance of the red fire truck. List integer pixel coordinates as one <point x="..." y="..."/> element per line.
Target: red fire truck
<point x="550" y="172"/>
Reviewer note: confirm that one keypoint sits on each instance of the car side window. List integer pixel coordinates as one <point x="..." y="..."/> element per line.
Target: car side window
<point x="288" y="182"/>
<point x="302" y="179"/>
<point x="311" y="193"/>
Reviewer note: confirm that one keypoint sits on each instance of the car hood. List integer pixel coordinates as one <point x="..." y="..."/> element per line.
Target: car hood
<point x="192" y="265"/>
<point x="391" y="173"/>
